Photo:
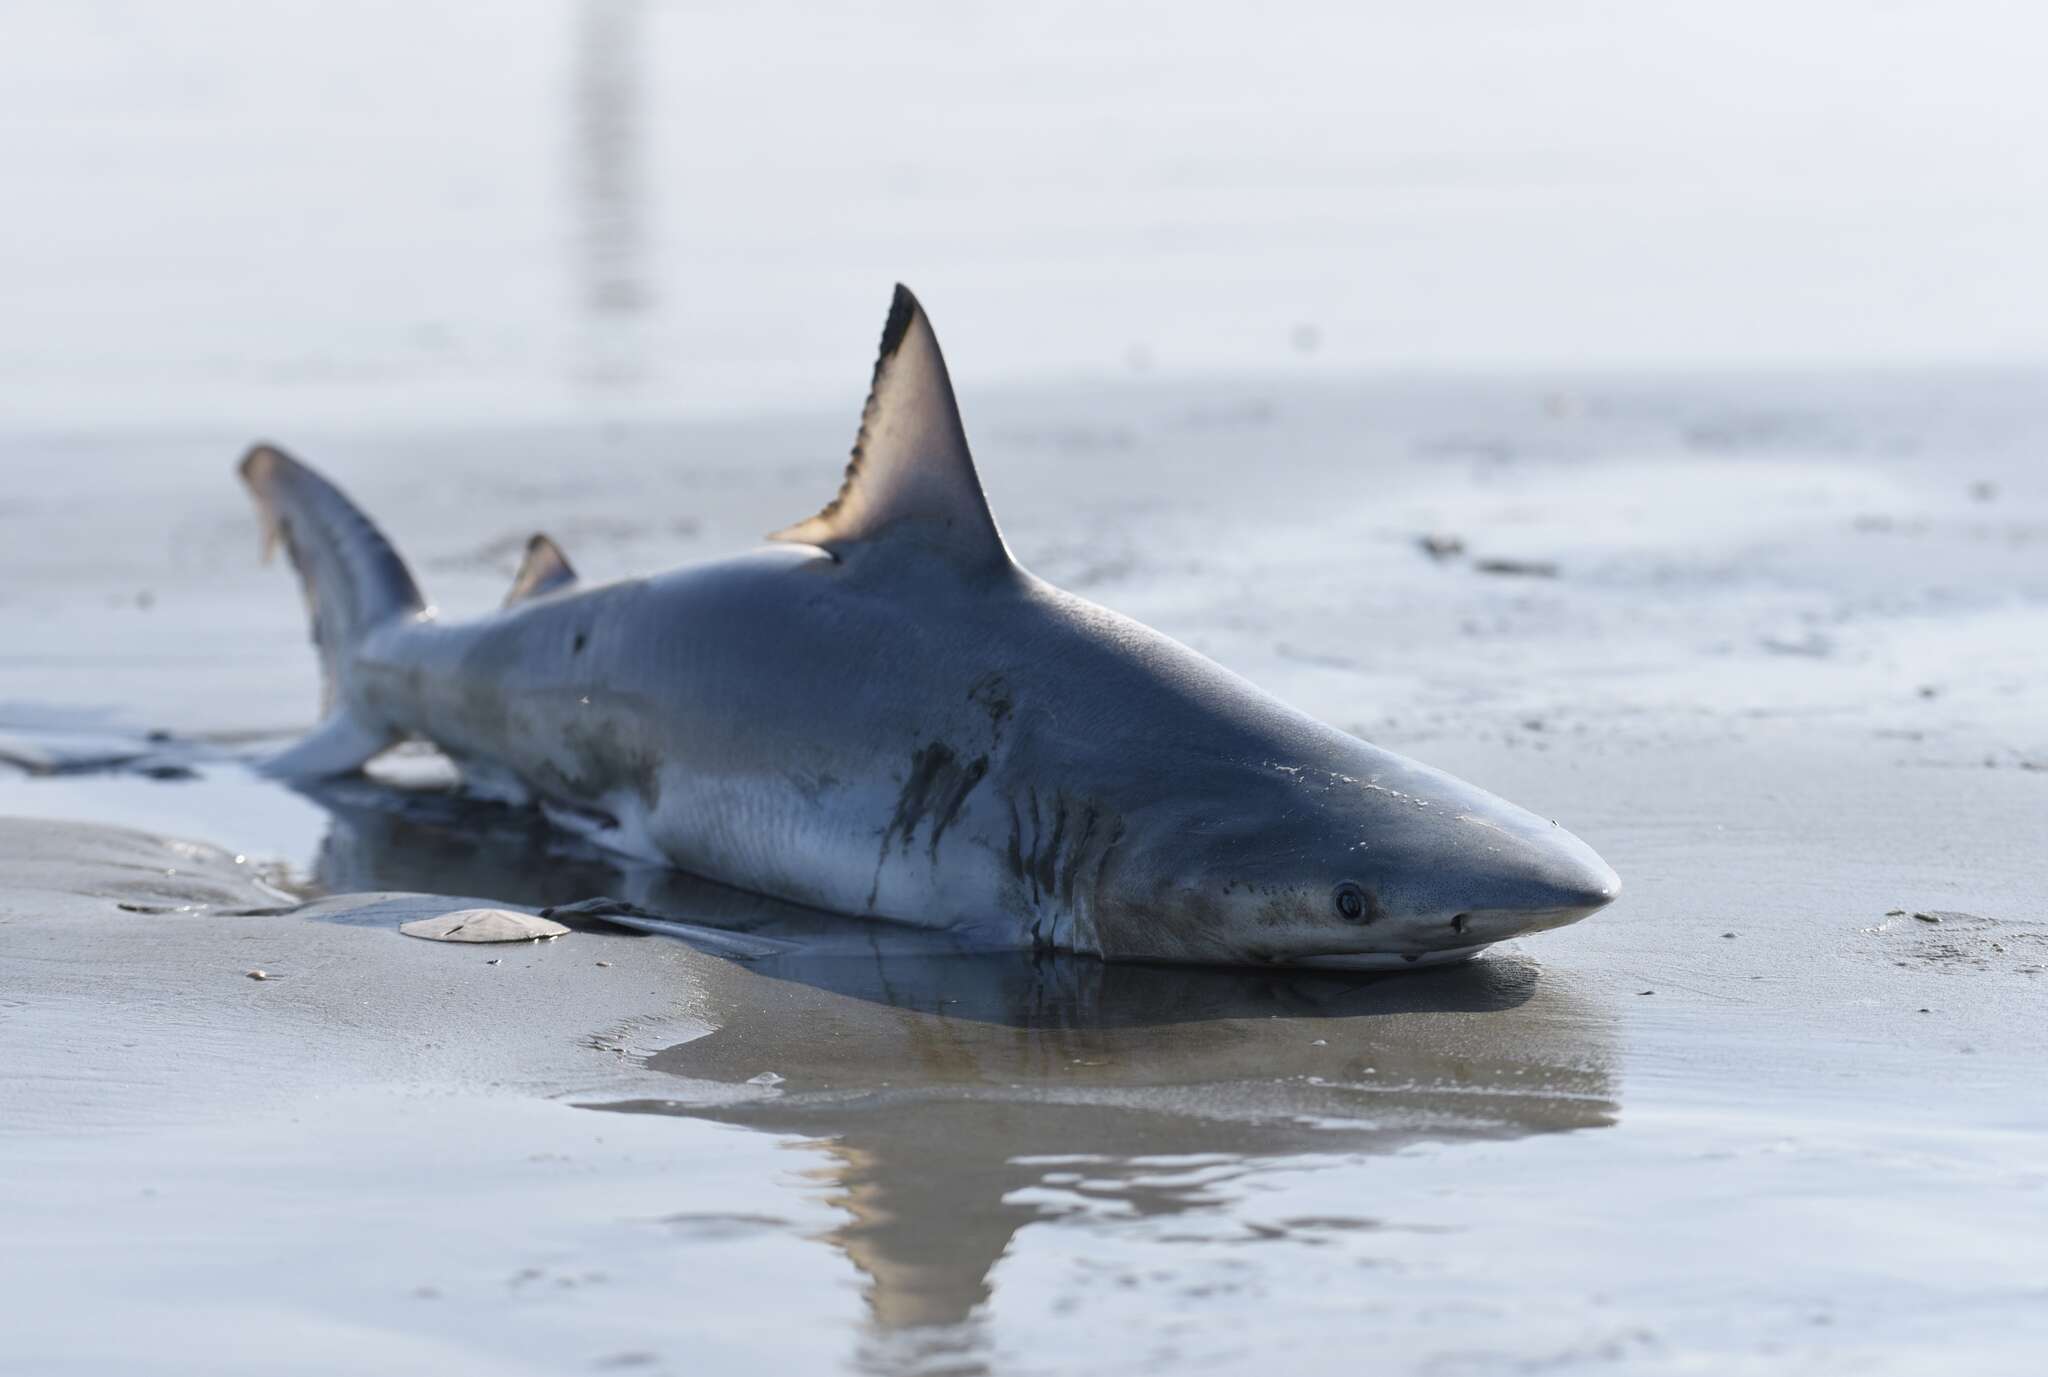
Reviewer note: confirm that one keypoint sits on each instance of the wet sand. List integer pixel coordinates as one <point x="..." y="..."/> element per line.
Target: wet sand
<point x="1761" y="1117"/>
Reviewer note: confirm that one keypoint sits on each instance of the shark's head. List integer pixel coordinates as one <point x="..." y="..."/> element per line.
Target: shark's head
<point x="1373" y="861"/>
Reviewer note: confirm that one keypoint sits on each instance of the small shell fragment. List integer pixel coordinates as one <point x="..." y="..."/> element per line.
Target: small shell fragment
<point x="483" y="925"/>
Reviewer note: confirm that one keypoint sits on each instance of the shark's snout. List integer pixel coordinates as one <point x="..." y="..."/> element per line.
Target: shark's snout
<point x="1563" y="885"/>
<point x="1579" y="881"/>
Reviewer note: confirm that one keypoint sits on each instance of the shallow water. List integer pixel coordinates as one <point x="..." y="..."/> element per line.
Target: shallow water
<point x="1745" y="1117"/>
<point x="1786" y="679"/>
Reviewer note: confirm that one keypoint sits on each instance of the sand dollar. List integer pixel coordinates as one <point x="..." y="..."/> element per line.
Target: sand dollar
<point x="482" y="925"/>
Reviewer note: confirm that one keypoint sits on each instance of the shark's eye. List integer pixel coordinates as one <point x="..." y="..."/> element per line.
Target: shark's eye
<point x="1350" y="901"/>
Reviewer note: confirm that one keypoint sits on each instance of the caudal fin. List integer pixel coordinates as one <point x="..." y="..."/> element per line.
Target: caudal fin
<point x="354" y="582"/>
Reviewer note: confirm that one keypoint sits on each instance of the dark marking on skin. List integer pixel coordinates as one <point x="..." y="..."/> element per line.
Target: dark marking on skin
<point x="576" y="646"/>
<point x="1037" y="831"/>
<point x="1015" y="855"/>
<point x="1048" y="859"/>
<point x="992" y="692"/>
<point x="937" y="787"/>
<point x="1089" y="819"/>
<point x="955" y="795"/>
<point x="928" y="767"/>
<point x="1116" y="836"/>
<point x="602" y="752"/>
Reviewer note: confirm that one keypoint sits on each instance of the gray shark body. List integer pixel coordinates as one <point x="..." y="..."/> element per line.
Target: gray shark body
<point x="885" y="715"/>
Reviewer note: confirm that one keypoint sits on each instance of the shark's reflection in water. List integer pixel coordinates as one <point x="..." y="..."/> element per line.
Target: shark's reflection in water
<point x="956" y="1097"/>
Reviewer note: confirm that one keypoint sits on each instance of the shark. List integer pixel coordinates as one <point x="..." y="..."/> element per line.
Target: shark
<point x="882" y="714"/>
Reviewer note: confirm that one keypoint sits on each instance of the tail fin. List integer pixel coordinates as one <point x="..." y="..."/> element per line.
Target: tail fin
<point x="354" y="582"/>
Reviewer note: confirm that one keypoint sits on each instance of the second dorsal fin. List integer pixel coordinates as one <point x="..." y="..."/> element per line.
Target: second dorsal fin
<point x="544" y="569"/>
<point x="911" y="478"/>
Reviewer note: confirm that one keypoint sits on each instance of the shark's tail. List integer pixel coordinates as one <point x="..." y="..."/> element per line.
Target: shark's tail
<point x="354" y="583"/>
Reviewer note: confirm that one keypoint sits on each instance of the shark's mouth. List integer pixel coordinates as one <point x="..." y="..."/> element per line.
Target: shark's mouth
<point x="1390" y="960"/>
<point x="1487" y="925"/>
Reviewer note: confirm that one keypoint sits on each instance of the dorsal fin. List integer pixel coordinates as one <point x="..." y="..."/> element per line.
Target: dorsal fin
<point x="544" y="569"/>
<point x="911" y="478"/>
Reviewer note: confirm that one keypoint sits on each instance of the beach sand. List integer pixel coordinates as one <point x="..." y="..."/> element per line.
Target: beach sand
<point x="1780" y="1109"/>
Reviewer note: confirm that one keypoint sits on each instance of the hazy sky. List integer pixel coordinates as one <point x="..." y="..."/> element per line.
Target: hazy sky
<point x="509" y="207"/>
